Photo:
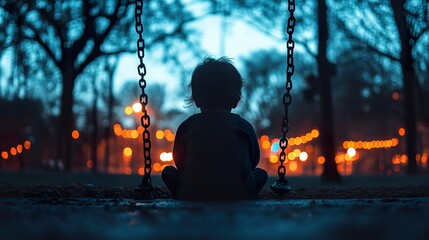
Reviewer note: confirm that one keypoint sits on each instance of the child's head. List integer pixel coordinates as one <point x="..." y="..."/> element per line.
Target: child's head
<point x="216" y="83"/>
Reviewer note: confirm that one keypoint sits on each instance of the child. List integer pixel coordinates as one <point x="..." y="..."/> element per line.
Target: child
<point x="215" y="151"/>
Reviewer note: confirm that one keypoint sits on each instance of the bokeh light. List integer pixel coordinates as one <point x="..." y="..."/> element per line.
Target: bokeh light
<point x="137" y="107"/>
<point x="293" y="166"/>
<point x="169" y="135"/>
<point x="321" y="160"/>
<point x="127" y="152"/>
<point x="401" y="131"/>
<point x="90" y="164"/>
<point x="13" y="151"/>
<point x="395" y="96"/>
<point x="266" y="144"/>
<point x="75" y="134"/>
<point x="303" y="156"/>
<point x="117" y="129"/>
<point x="157" y="167"/>
<point x="141" y="171"/>
<point x="159" y="134"/>
<point x="166" y="156"/>
<point x="274" y="159"/>
<point x="351" y="152"/>
<point x="128" y="110"/>
<point x="19" y="148"/>
<point x="134" y="134"/>
<point x="27" y="145"/>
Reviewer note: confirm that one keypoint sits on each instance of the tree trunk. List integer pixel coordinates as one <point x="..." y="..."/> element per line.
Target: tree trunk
<point x="94" y="140"/>
<point x="65" y="124"/>
<point x="108" y="128"/>
<point x="326" y="71"/>
<point x="409" y="77"/>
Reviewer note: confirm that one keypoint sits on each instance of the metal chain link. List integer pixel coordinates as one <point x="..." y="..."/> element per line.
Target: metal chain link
<point x="287" y="97"/>
<point x="145" y="119"/>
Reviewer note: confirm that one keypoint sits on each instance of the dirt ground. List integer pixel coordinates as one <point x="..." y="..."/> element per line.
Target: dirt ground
<point x="90" y="185"/>
<point x="46" y="205"/>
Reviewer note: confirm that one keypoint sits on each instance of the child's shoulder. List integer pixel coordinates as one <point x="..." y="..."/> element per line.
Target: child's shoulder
<point x="218" y="117"/>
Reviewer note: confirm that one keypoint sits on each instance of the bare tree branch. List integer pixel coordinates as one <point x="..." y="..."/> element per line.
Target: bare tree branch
<point x="352" y="35"/>
<point x="44" y="45"/>
<point x="47" y="16"/>
<point x="424" y="30"/>
<point x="113" y="53"/>
<point x="88" y="30"/>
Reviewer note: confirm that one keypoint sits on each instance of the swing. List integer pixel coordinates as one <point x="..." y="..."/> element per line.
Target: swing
<point x="146" y="184"/>
<point x="282" y="184"/>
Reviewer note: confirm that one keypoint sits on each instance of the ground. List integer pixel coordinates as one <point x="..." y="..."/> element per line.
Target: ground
<point x="46" y="205"/>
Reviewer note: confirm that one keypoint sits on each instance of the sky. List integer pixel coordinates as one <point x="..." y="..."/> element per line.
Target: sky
<point x="240" y="40"/>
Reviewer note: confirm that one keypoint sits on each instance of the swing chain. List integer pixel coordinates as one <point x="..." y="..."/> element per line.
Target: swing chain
<point x="282" y="185"/>
<point x="145" y="119"/>
<point x="287" y="97"/>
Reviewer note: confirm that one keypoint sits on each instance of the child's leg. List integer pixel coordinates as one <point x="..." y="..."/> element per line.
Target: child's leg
<point x="171" y="177"/>
<point x="260" y="177"/>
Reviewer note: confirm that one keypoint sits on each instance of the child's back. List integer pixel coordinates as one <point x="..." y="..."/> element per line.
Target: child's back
<point x="215" y="151"/>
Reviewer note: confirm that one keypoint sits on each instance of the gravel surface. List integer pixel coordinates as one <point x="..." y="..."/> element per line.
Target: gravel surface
<point x="47" y="205"/>
<point x="97" y="192"/>
<point x="88" y="185"/>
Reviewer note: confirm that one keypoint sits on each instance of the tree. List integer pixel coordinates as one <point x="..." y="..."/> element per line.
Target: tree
<point x="72" y="34"/>
<point x="409" y="81"/>
<point x="326" y="70"/>
<point x="264" y="80"/>
<point x="403" y="53"/>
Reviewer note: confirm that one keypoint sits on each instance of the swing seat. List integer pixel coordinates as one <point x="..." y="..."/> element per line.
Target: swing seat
<point x="281" y="186"/>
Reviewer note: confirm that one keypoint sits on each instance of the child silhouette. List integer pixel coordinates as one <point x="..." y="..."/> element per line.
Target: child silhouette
<point x="216" y="152"/>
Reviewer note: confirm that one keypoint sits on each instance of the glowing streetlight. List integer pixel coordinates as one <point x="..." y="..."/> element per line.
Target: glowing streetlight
<point x="137" y="107"/>
<point x="303" y="156"/>
<point x="166" y="156"/>
<point x="351" y="152"/>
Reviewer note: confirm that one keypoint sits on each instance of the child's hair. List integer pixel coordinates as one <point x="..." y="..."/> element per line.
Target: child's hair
<point x="215" y="83"/>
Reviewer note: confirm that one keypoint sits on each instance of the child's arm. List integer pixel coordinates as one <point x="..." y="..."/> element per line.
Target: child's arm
<point x="255" y="148"/>
<point x="178" y="149"/>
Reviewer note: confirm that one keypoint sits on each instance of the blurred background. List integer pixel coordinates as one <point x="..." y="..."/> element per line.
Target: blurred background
<point x="69" y="92"/>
